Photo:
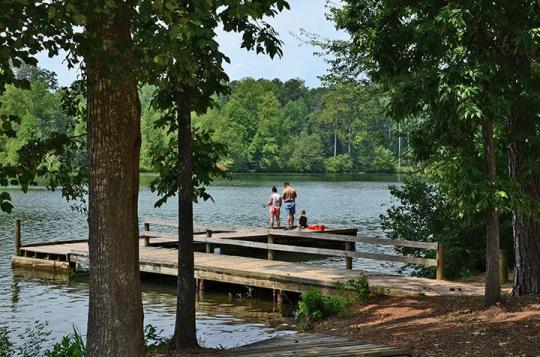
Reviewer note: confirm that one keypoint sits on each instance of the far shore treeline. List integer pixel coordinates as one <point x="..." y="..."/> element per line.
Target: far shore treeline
<point x="266" y="125"/>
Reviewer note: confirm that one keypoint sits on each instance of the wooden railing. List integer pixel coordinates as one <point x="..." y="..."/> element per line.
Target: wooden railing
<point x="349" y="253"/>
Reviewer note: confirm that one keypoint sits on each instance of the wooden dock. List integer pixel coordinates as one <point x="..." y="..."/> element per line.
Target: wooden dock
<point x="158" y="255"/>
<point x="304" y="344"/>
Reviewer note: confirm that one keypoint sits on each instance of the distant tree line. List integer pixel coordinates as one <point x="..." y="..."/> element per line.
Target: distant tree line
<point x="275" y="126"/>
<point x="266" y="125"/>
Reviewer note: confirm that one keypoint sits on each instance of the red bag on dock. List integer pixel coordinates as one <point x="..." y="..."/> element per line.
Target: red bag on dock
<point x="316" y="227"/>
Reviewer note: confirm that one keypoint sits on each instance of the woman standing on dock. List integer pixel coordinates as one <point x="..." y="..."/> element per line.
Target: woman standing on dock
<point x="274" y="202"/>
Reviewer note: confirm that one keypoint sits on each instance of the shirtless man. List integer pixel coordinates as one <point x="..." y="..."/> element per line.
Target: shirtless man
<point x="289" y="198"/>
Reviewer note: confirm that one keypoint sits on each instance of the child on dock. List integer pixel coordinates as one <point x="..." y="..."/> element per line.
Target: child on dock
<point x="274" y="202"/>
<point x="302" y="220"/>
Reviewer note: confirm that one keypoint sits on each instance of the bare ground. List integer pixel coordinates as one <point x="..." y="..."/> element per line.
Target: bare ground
<point x="445" y="326"/>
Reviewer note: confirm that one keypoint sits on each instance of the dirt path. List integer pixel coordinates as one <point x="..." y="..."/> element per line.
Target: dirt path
<point x="445" y="326"/>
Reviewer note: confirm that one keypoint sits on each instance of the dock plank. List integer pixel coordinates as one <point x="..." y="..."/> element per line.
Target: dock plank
<point x="304" y="344"/>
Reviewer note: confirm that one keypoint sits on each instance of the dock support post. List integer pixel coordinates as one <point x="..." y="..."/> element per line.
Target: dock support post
<point x="440" y="261"/>
<point x="201" y="285"/>
<point x="277" y="299"/>
<point x="209" y="247"/>
<point x="146" y="239"/>
<point x="349" y="246"/>
<point x="270" y="251"/>
<point x="503" y="262"/>
<point x="18" y="237"/>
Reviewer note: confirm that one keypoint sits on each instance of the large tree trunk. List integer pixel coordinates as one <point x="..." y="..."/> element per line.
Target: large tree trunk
<point x="526" y="226"/>
<point x="493" y="283"/>
<point x="185" y="336"/>
<point x="115" y="314"/>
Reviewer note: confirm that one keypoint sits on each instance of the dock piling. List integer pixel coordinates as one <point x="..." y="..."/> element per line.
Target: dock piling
<point x="146" y="238"/>
<point x="18" y="237"/>
<point x="270" y="251"/>
<point x="349" y="246"/>
<point x="209" y="247"/>
<point x="440" y="261"/>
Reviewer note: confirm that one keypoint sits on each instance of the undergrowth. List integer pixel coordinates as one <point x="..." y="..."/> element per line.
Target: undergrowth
<point x="314" y="307"/>
<point x="32" y="342"/>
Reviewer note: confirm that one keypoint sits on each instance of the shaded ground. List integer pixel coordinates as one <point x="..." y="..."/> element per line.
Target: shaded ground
<point x="445" y="326"/>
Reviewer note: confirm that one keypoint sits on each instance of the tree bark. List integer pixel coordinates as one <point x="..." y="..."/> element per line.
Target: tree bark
<point x="335" y="143"/>
<point x="526" y="227"/>
<point x="185" y="334"/>
<point x="115" y="314"/>
<point x="493" y="284"/>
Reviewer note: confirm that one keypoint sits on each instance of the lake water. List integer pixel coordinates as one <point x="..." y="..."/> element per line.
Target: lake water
<point x="339" y="200"/>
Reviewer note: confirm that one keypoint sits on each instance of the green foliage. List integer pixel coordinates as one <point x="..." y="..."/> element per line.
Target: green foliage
<point x="425" y="213"/>
<point x="383" y="159"/>
<point x="340" y="163"/>
<point x="314" y="307"/>
<point x="71" y="345"/>
<point x="207" y="154"/>
<point x="304" y="153"/>
<point x="360" y="286"/>
<point x="49" y="138"/>
<point x="6" y="346"/>
<point x="154" y="342"/>
<point x="270" y="127"/>
<point x="33" y="340"/>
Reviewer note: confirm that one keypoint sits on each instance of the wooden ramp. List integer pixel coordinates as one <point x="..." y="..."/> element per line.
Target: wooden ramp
<point x="262" y="273"/>
<point x="304" y="344"/>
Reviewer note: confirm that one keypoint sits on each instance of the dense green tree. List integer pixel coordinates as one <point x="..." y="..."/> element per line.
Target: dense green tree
<point x="40" y="112"/>
<point x="451" y="61"/>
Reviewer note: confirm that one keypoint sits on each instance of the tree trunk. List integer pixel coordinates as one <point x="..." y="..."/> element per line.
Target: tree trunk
<point x="185" y="336"/>
<point x="115" y="314"/>
<point x="493" y="284"/>
<point x="526" y="226"/>
<point x="335" y="143"/>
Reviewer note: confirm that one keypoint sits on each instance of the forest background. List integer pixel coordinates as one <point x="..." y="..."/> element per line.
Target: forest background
<point x="267" y="125"/>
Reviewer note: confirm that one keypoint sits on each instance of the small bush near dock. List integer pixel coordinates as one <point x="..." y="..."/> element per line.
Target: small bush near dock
<point x="354" y="290"/>
<point x="314" y="307"/>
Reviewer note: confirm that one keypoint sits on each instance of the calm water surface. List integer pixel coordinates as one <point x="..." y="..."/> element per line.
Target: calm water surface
<point x="221" y="320"/>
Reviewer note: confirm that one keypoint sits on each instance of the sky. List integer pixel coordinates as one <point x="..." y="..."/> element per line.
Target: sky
<point x="298" y="60"/>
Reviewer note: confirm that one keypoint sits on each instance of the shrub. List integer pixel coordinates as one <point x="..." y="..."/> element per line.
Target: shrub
<point x="154" y="342"/>
<point x="360" y="287"/>
<point x="71" y="345"/>
<point x="314" y="306"/>
<point x="383" y="160"/>
<point x="339" y="164"/>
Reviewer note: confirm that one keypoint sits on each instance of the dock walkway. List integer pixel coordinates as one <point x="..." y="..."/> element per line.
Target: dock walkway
<point x="304" y="344"/>
<point x="262" y="273"/>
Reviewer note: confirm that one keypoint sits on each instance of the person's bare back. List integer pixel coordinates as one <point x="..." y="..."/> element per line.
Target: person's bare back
<point x="289" y="198"/>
